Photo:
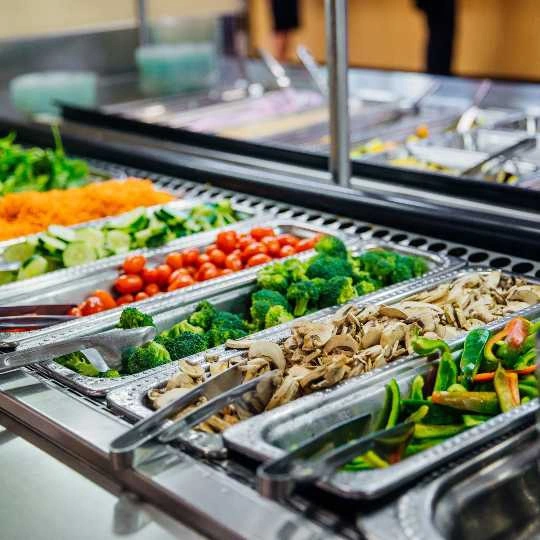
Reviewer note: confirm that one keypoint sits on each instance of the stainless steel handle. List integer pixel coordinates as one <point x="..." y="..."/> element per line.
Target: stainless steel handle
<point x="275" y="68"/>
<point x="313" y="69"/>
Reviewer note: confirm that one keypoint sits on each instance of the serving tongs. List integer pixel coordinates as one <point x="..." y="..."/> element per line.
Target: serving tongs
<point x="318" y="459"/>
<point x="469" y="115"/>
<point x="109" y="344"/>
<point x="33" y="317"/>
<point x="506" y="153"/>
<point x="275" y="68"/>
<point x="221" y="390"/>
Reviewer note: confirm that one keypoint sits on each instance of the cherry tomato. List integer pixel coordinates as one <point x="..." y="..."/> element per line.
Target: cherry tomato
<point x="286" y="251"/>
<point x="287" y="240"/>
<point x="106" y="298"/>
<point x="259" y="258"/>
<point x="152" y="289"/>
<point x="191" y="270"/>
<point x="75" y="311"/>
<point x="217" y="257"/>
<point x="272" y="245"/>
<point x="128" y="283"/>
<point x="163" y="273"/>
<point x="177" y="273"/>
<point x="125" y="299"/>
<point x="149" y="275"/>
<point x="180" y="283"/>
<point x="304" y="245"/>
<point x="243" y="242"/>
<point x="253" y="249"/>
<point x="175" y="260"/>
<point x="201" y="259"/>
<point x="260" y="232"/>
<point x="210" y="248"/>
<point x="210" y="272"/>
<point x="233" y="263"/>
<point x="92" y="305"/>
<point x="226" y="241"/>
<point x="205" y="266"/>
<point x="225" y="271"/>
<point x="236" y="252"/>
<point x="190" y="256"/>
<point x="141" y="296"/>
<point x="133" y="264"/>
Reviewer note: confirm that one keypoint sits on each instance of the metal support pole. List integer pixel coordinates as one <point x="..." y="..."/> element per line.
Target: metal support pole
<point x="142" y="19"/>
<point x="337" y="61"/>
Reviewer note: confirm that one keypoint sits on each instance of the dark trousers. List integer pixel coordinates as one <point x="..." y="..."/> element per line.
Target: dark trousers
<point x="441" y="22"/>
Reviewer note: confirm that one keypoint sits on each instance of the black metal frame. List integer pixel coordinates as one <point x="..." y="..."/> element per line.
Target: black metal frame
<point x="514" y="237"/>
<point x="499" y="194"/>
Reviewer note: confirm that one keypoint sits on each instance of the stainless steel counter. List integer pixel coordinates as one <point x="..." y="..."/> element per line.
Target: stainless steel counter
<point x="44" y="498"/>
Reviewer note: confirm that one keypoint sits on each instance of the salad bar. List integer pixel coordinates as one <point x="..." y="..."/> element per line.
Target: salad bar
<point x="258" y="369"/>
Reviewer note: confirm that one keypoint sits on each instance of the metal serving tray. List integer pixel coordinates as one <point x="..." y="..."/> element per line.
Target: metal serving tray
<point x="12" y="292"/>
<point x="270" y="435"/>
<point x="132" y="402"/>
<point x="169" y="312"/>
<point x="102" y="274"/>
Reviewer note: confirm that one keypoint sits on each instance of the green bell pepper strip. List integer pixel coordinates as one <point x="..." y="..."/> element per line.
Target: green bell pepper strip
<point x="417" y="446"/>
<point x="446" y="373"/>
<point x="426" y="347"/>
<point x="375" y="460"/>
<point x="427" y="431"/>
<point x="417" y="386"/>
<point x="472" y="420"/>
<point x="457" y="388"/>
<point x="389" y="414"/>
<point x="419" y="414"/>
<point x="506" y="388"/>
<point x="528" y="390"/>
<point x="476" y="402"/>
<point x="529" y="380"/>
<point x="473" y="354"/>
<point x="525" y="400"/>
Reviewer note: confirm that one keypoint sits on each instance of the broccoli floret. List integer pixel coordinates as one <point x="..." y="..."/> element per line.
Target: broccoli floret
<point x="377" y="264"/>
<point x="274" y="277"/>
<point x="262" y="301"/>
<point x="365" y="287"/>
<point x="225" y="214"/>
<point x="325" y="267"/>
<point x="296" y="269"/>
<point x="226" y="326"/>
<point x="276" y="315"/>
<point x="418" y="265"/>
<point x="147" y="356"/>
<point x="133" y="318"/>
<point x="332" y="246"/>
<point x="183" y="344"/>
<point x="109" y="374"/>
<point x="337" y="290"/>
<point x="203" y="315"/>
<point x="77" y="362"/>
<point x="304" y="294"/>
<point x="181" y="327"/>
<point x="402" y="271"/>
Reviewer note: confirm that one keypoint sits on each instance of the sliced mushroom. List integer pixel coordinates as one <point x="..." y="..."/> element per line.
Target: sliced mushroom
<point x="341" y="342"/>
<point x="238" y="343"/>
<point x="394" y="312"/>
<point x="285" y="393"/>
<point x="393" y="333"/>
<point x="525" y="293"/>
<point x="270" y="350"/>
<point x="180" y="380"/>
<point x="195" y="371"/>
<point x="162" y="400"/>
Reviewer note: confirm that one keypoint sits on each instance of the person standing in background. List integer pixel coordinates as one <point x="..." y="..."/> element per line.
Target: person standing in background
<point x="286" y="19"/>
<point x="441" y="22"/>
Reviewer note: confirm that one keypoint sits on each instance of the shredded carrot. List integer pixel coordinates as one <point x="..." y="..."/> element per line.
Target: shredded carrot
<point x="31" y="211"/>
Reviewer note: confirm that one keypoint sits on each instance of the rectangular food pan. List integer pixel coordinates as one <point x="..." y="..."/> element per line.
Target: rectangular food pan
<point x="240" y="286"/>
<point x="72" y="286"/>
<point x="17" y="292"/>
<point x="275" y="433"/>
<point x="131" y="400"/>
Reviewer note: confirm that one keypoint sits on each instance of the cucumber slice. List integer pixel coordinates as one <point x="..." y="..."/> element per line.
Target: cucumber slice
<point x="19" y="252"/>
<point x="52" y="244"/>
<point x="6" y="276"/>
<point x="78" y="253"/>
<point x="93" y="237"/>
<point x="62" y="233"/>
<point x="132" y="222"/>
<point x="117" y="242"/>
<point x="34" y="266"/>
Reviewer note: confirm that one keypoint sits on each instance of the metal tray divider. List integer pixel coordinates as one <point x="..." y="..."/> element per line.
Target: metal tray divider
<point x="129" y="400"/>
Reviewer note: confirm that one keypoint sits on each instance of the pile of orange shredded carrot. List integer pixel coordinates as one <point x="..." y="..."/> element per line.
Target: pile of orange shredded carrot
<point x="31" y="211"/>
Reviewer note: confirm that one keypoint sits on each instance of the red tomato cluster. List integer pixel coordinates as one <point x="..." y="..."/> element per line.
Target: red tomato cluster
<point x="230" y="253"/>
